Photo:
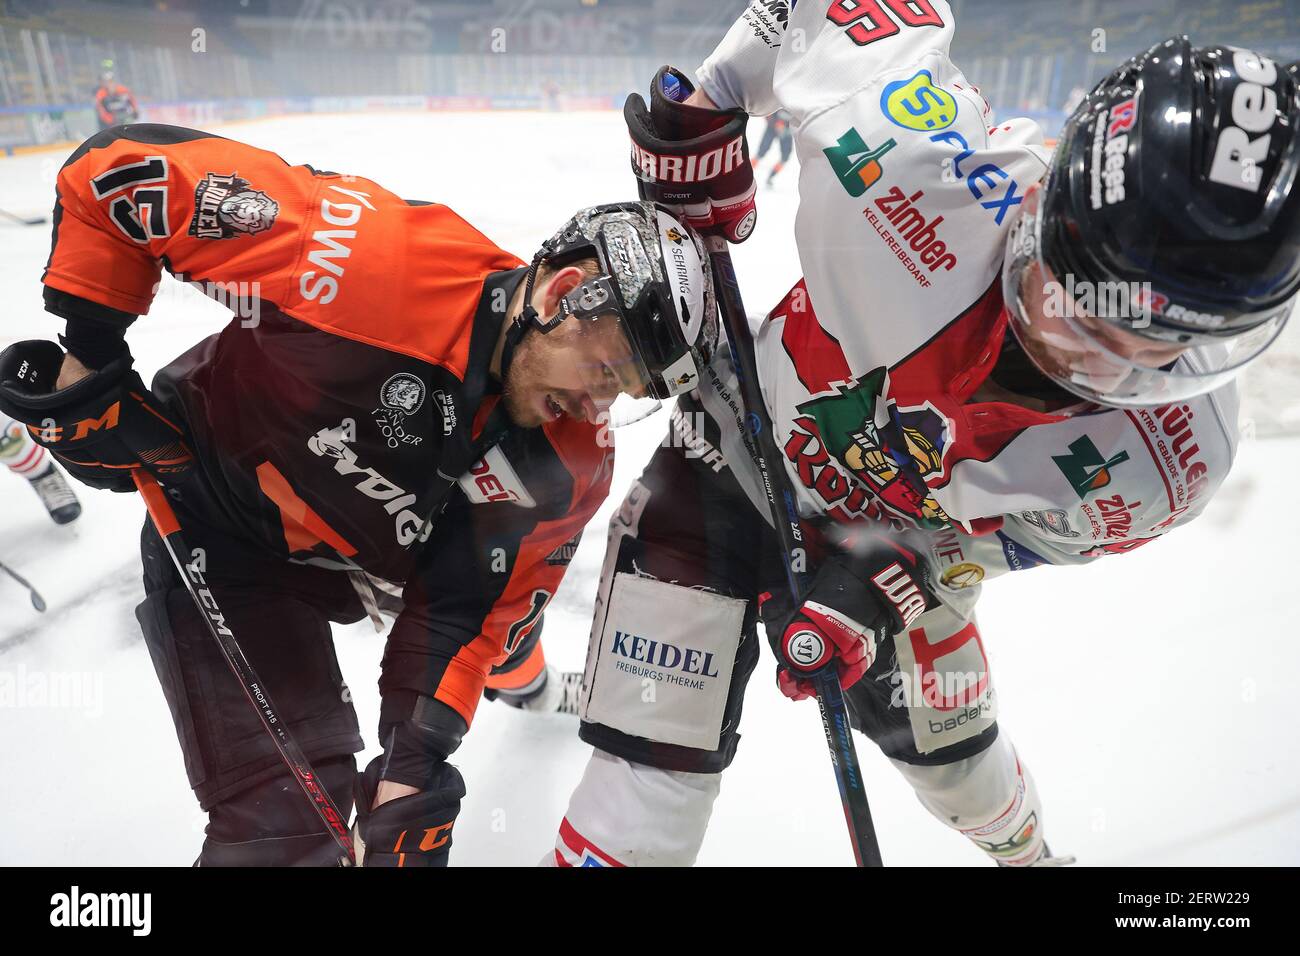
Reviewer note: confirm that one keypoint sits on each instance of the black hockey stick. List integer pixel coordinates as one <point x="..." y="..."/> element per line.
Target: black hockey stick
<point x="38" y="602"/>
<point x="34" y="221"/>
<point x="169" y="529"/>
<point x="785" y="519"/>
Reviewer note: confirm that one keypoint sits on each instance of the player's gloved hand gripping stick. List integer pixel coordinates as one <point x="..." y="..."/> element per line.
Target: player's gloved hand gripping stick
<point x="684" y="158"/>
<point x="111" y="433"/>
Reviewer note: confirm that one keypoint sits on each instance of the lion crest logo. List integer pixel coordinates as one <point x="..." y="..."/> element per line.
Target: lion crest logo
<point x="250" y="211"/>
<point x="226" y="206"/>
<point x="402" y="393"/>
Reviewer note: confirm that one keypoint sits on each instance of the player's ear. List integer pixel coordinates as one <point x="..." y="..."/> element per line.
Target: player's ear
<point x="557" y="286"/>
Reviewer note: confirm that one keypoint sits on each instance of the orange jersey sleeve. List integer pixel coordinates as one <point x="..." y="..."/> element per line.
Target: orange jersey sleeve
<point x="340" y="253"/>
<point x="489" y="571"/>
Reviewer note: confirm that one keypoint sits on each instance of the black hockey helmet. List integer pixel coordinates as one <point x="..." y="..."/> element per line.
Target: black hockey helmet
<point x="1174" y="180"/>
<point x="654" y="281"/>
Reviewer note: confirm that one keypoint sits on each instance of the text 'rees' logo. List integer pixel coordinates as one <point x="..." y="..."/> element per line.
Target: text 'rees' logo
<point x="1237" y="157"/>
<point x="857" y="165"/>
<point x="1110" y="153"/>
<point x="1085" y="468"/>
<point x="225" y="206"/>
<point x="917" y="104"/>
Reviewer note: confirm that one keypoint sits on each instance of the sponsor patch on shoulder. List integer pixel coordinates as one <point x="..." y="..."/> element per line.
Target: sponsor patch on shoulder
<point x="494" y="479"/>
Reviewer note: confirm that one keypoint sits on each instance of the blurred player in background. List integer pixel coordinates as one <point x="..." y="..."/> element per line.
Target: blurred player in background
<point x="777" y="131"/>
<point x="114" y="102"/>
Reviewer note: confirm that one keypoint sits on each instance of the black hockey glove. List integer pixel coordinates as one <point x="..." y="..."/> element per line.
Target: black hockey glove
<point x="690" y="160"/>
<point x="99" y="428"/>
<point x="409" y="831"/>
<point x="872" y="589"/>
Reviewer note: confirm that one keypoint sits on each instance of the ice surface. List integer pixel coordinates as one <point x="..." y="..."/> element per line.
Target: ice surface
<point x="1150" y="693"/>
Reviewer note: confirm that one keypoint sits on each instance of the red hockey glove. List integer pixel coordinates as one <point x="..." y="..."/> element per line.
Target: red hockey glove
<point x="100" y="428"/>
<point x="691" y="160"/>
<point x="857" y="601"/>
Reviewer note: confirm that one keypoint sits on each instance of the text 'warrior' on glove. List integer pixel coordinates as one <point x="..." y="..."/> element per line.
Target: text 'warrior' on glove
<point x="691" y="160"/>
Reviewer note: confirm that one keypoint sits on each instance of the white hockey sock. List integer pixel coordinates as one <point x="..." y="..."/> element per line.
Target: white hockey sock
<point x="628" y="814"/>
<point x="18" y="451"/>
<point x="989" y="798"/>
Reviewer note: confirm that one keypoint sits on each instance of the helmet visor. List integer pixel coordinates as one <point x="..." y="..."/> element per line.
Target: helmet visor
<point x="602" y="376"/>
<point x="1087" y="337"/>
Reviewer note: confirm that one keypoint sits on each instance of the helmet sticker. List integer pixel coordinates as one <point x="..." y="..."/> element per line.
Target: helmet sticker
<point x="1240" y="150"/>
<point x="685" y="275"/>
<point x="681" y="376"/>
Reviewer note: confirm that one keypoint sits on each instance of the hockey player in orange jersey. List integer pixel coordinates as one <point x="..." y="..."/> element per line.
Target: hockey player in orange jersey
<point x="407" y="403"/>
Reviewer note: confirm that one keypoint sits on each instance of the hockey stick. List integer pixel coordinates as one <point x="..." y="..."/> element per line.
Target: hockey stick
<point x="785" y="519"/>
<point x="38" y="602"/>
<point x="34" y="221"/>
<point x="169" y="529"/>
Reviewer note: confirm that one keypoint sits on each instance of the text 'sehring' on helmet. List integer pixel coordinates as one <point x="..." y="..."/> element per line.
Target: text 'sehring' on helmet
<point x="1162" y="255"/>
<point x="654" y="283"/>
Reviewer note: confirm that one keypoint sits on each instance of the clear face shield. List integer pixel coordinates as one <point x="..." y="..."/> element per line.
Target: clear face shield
<point x="606" y="377"/>
<point x="1084" y="335"/>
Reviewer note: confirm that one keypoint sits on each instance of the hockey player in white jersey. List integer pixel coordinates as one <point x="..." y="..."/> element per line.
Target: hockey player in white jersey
<point x="996" y="359"/>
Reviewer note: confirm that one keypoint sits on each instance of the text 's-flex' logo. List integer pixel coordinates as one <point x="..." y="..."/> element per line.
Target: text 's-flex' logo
<point x="226" y="206"/>
<point x="917" y="104"/>
<point x="1085" y="468"/>
<point x="857" y="165"/>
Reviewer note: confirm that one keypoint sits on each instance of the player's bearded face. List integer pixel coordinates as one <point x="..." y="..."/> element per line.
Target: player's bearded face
<point x="576" y="369"/>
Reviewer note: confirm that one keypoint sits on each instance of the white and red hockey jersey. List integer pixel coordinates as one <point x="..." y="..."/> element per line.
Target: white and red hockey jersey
<point x="871" y="365"/>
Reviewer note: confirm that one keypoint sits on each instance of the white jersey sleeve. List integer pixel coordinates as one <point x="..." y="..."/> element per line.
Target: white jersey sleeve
<point x="739" y="72"/>
<point x="1132" y="476"/>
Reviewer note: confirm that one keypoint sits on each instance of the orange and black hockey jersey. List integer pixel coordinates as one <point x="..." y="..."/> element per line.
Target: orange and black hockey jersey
<point x="346" y="415"/>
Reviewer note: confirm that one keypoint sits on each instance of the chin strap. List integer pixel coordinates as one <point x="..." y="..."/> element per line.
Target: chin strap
<point x="514" y="335"/>
<point x="527" y="317"/>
